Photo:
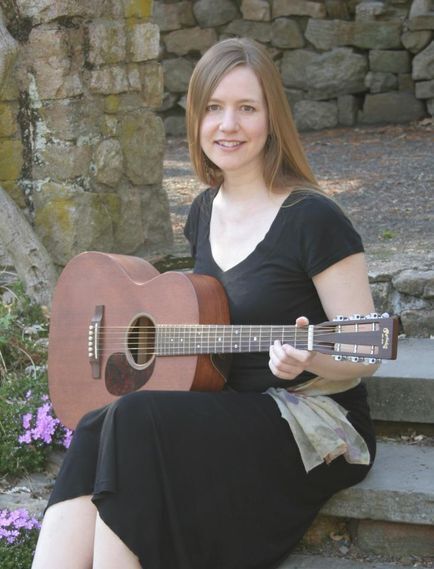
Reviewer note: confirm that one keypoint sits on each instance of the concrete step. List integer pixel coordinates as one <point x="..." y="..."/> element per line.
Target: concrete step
<point x="298" y="561"/>
<point x="399" y="488"/>
<point x="402" y="390"/>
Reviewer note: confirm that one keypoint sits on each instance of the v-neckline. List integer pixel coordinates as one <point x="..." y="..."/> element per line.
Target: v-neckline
<point x="253" y="251"/>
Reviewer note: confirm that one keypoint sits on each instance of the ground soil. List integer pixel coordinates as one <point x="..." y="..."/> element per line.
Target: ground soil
<point x="383" y="176"/>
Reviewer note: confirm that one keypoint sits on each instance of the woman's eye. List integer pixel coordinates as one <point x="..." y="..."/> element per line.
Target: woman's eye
<point x="248" y="108"/>
<point x="212" y="108"/>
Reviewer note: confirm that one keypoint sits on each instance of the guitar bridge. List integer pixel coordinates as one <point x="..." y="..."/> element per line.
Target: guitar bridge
<point x="94" y="341"/>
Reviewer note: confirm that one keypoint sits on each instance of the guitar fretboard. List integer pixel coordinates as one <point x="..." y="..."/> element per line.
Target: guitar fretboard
<point x="213" y="339"/>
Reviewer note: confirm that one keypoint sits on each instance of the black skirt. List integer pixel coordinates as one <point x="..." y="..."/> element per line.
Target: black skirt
<point x="190" y="480"/>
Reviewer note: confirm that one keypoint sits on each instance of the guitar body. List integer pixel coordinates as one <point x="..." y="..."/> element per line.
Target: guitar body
<point x="118" y="291"/>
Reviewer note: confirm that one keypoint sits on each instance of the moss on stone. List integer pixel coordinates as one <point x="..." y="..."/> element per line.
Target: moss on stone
<point x="111" y="104"/>
<point x="8" y="120"/>
<point x="141" y="9"/>
<point x="13" y="189"/>
<point x="11" y="159"/>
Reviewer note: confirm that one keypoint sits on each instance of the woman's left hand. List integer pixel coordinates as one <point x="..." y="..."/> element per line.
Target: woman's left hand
<point x="287" y="362"/>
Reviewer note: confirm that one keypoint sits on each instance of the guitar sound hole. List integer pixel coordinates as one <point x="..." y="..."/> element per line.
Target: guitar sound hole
<point x="141" y="340"/>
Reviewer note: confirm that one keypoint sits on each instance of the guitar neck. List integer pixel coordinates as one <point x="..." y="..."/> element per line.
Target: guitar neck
<point x="217" y="339"/>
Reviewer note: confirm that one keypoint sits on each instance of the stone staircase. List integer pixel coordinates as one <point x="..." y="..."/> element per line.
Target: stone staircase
<point x="385" y="522"/>
<point x="388" y="519"/>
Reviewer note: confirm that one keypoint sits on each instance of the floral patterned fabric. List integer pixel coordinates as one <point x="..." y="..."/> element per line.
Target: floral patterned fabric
<point x="319" y="424"/>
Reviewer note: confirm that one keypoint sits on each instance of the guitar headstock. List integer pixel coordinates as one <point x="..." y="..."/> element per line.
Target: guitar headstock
<point x="358" y="338"/>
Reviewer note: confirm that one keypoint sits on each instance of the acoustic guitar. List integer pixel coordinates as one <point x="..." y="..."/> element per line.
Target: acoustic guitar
<point x="118" y="325"/>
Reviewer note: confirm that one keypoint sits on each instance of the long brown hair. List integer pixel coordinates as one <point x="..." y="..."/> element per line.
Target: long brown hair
<point x="284" y="157"/>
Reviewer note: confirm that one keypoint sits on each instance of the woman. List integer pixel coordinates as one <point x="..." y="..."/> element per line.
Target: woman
<point x="232" y="480"/>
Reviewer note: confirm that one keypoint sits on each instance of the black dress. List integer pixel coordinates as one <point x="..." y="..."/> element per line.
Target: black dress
<point x="193" y="480"/>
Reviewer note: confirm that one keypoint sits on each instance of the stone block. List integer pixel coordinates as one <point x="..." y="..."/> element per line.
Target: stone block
<point x="129" y="227"/>
<point x="392" y="107"/>
<point x="57" y="60"/>
<point x="399" y="488"/>
<point x="210" y="13"/>
<point x="430" y="106"/>
<point x="69" y="119"/>
<point x="286" y="34"/>
<point x="153" y="84"/>
<point x="423" y="64"/>
<point x="174" y="125"/>
<point x="294" y="67"/>
<point x="315" y="115"/>
<point x="347" y="110"/>
<point x="397" y="540"/>
<point x="70" y="220"/>
<point x="405" y="82"/>
<point x="337" y="72"/>
<point x="107" y="42"/>
<point x="141" y="134"/>
<point x="177" y="73"/>
<point x="422" y="23"/>
<point x="378" y="82"/>
<point x="389" y="61"/>
<point x="370" y="10"/>
<point x="108" y="162"/>
<point x="327" y="75"/>
<point x="337" y="10"/>
<point x="413" y="282"/>
<point x="425" y="89"/>
<point x="8" y="119"/>
<point x="380" y="295"/>
<point x="61" y="163"/>
<point x="294" y="95"/>
<point x="11" y="159"/>
<point x="259" y="31"/>
<point x="44" y="11"/>
<point x="414" y="42"/>
<point x="377" y="35"/>
<point x="169" y="17"/>
<point x="418" y="323"/>
<point x="327" y="34"/>
<point x="258" y="10"/>
<point x="109" y="80"/>
<point x="419" y="8"/>
<point x="298" y="8"/>
<point x="181" y="42"/>
<point x="421" y="15"/>
<point x="157" y="229"/>
<point x="143" y="42"/>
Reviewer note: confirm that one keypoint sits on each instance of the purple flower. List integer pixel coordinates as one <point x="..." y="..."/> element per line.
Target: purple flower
<point x="43" y="426"/>
<point x="14" y="523"/>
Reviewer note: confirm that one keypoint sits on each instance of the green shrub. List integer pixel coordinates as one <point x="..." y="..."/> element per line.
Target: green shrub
<point x="28" y="428"/>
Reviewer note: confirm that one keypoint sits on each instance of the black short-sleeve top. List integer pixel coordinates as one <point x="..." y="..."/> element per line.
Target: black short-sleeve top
<point x="273" y="284"/>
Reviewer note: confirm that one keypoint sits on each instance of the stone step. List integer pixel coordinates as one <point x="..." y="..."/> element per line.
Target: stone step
<point x="399" y="488"/>
<point x="402" y="390"/>
<point x="299" y="561"/>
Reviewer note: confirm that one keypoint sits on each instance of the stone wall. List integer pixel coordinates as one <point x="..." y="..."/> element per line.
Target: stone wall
<point x="408" y="292"/>
<point x="343" y="62"/>
<point x="81" y="146"/>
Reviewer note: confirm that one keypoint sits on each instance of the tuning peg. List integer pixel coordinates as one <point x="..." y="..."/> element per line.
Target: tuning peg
<point x="338" y="318"/>
<point x="356" y="317"/>
<point x="385" y="315"/>
<point x="338" y="358"/>
<point x="368" y="361"/>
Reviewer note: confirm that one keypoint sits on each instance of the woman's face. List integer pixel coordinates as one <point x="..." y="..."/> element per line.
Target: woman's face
<point x="234" y="128"/>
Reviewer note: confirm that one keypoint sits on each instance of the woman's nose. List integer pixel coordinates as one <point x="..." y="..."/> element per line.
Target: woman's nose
<point x="229" y="121"/>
